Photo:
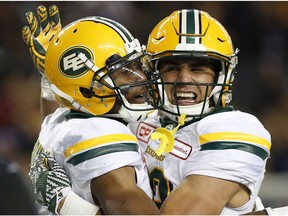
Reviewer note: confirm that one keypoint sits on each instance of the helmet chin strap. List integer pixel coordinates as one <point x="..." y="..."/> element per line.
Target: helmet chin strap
<point x="128" y="115"/>
<point x="189" y="110"/>
<point x="195" y="109"/>
<point x="135" y="113"/>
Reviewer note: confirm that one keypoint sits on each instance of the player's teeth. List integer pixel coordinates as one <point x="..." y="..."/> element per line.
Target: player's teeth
<point x="182" y="94"/>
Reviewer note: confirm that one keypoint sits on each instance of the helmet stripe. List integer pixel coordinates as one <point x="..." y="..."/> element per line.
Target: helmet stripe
<point x="123" y="32"/>
<point x="191" y="26"/>
<point x="183" y="26"/>
<point x="199" y="22"/>
<point x="180" y="27"/>
<point x="190" y="21"/>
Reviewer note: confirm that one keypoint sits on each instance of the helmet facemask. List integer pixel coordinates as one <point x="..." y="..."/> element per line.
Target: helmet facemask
<point x="132" y="83"/>
<point x="216" y="94"/>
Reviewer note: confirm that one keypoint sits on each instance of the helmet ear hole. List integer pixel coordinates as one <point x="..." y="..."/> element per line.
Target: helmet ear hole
<point x="112" y="59"/>
<point x="87" y="93"/>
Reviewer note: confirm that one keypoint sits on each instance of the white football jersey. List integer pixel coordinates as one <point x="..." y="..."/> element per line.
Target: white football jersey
<point x="88" y="147"/>
<point x="229" y="145"/>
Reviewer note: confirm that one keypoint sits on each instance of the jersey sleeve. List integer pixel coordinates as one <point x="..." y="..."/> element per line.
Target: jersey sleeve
<point x="94" y="148"/>
<point x="233" y="146"/>
<point x="89" y="147"/>
<point x="235" y="130"/>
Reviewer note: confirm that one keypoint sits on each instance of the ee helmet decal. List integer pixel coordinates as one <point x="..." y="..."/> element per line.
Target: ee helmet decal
<point x="70" y="65"/>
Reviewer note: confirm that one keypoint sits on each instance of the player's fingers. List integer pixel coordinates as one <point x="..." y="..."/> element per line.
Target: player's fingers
<point x="43" y="18"/>
<point x="55" y="17"/>
<point x="49" y="161"/>
<point x="46" y="160"/>
<point x="26" y="35"/>
<point x="33" y="24"/>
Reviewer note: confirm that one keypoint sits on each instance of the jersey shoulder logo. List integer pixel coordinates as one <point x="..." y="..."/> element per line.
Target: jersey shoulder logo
<point x="70" y="65"/>
<point x="144" y="132"/>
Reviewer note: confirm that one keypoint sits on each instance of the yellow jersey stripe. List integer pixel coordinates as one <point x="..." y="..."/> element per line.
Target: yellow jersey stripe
<point x="232" y="136"/>
<point x="103" y="150"/>
<point x="87" y="144"/>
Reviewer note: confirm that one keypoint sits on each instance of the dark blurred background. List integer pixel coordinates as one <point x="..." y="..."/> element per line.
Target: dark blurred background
<point x="258" y="29"/>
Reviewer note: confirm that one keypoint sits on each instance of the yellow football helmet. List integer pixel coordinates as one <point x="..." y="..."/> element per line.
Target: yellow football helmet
<point x="96" y="66"/>
<point x="192" y="33"/>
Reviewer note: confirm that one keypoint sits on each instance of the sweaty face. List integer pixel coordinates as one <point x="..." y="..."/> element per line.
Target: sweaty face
<point x="132" y="81"/>
<point x="186" y="72"/>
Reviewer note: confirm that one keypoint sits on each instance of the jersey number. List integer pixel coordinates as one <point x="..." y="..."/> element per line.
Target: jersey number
<point x="160" y="185"/>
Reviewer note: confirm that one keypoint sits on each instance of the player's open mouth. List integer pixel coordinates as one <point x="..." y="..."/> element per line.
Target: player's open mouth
<point x="186" y="98"/>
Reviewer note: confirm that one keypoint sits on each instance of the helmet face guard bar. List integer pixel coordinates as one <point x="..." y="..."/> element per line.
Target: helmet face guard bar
<point x="151" y="95"/>
<point x="220" y="62"/>
<point x="224" y="70"/>
<point x="167" y="106"/>
<point x="135" y="74"/>
<point x="188" y="53"/>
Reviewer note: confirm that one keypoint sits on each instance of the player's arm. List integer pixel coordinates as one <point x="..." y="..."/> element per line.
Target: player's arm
<point x="52" y="188"/>
<point x="37" y="36"/>
<point x="199" y="194"/>
<point x="118" y="193"/>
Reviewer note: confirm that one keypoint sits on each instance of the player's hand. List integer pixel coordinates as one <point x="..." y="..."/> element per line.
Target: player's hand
<point x="49" y="181"/>
<point x="38" y="35"/>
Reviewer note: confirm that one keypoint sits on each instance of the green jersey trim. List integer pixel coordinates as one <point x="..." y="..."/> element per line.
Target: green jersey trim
<point x="236" y="146"/>
<point x="100" y="151"/>
<point x="76" y="114"/>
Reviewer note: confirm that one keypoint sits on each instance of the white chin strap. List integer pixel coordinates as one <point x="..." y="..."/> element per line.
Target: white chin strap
<point x="129" y="115"/>
<point x="195" y="109"/>
<point x="133" y="115"/>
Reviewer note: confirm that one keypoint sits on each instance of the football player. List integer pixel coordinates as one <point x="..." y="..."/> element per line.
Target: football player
<point x="217" y="161"/>
<point x="99" y="74"/>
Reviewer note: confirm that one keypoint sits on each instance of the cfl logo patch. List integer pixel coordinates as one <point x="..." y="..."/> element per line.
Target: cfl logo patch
<point x="144" y="132"/>
<point x="70" y="65"/>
